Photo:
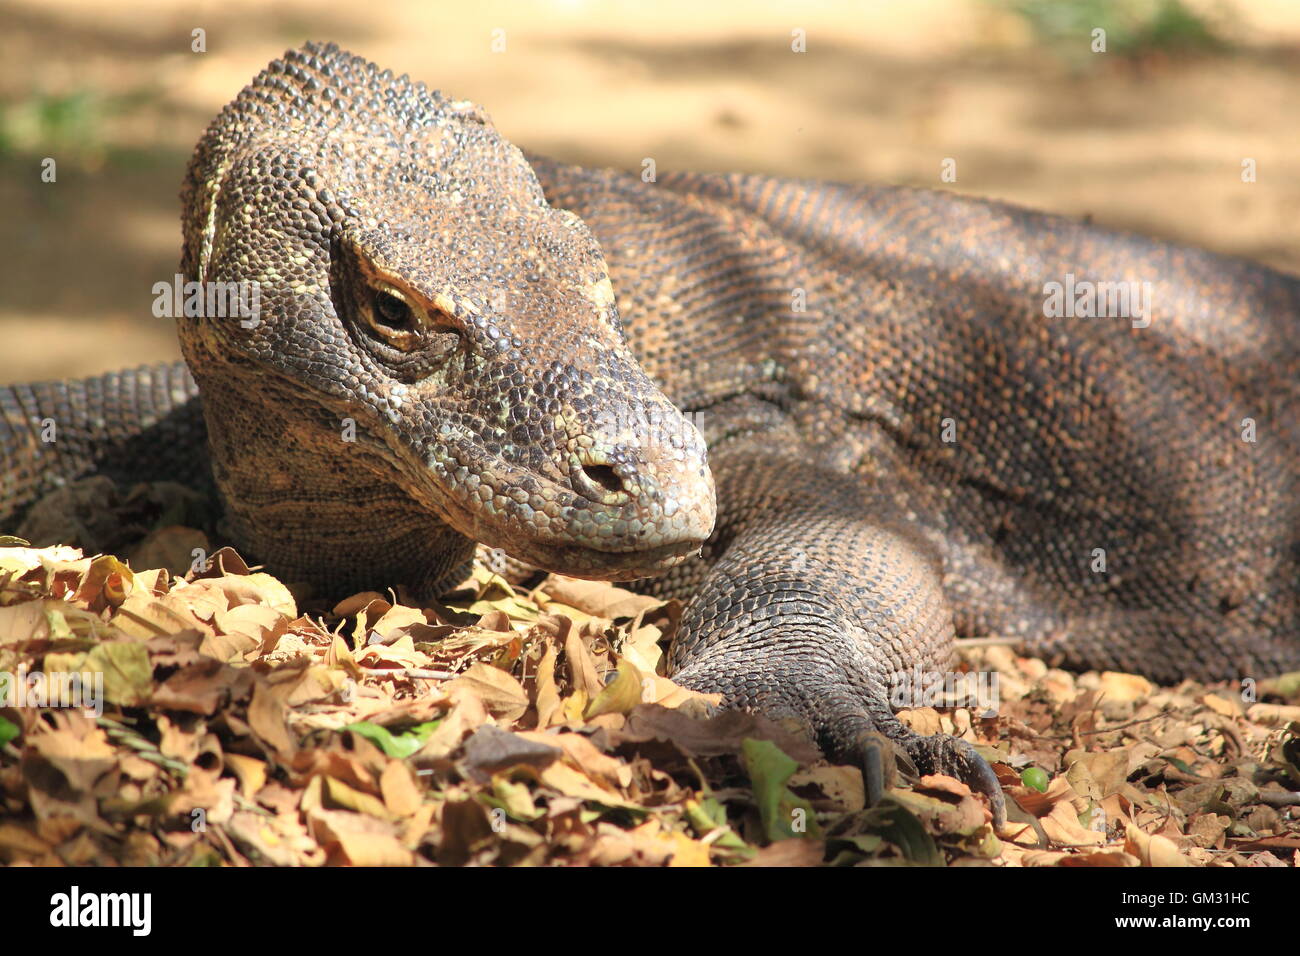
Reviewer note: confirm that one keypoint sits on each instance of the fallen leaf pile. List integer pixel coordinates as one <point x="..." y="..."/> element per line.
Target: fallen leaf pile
<point x="218" y="724"/>
<point x="1144" y="775"/>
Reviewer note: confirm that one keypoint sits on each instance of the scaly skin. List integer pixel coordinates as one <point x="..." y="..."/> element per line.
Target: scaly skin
<point x="826" y="339"/>
<point x="480" y="411"/>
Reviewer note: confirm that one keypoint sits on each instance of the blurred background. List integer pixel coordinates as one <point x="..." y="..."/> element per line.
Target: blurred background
<point x="1148" y="136"/>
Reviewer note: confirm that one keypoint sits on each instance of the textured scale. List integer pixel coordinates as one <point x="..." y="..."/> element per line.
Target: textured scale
<point x="562" y="316"/>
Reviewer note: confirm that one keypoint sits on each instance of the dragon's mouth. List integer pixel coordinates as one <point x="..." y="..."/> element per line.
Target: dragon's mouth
<point x="560" y="530"/>
<point x="612" y="560"/>
<point x="580" y="562"/>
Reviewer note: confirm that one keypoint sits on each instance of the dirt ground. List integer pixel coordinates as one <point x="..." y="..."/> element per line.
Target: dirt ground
<point x="884" y="92"/>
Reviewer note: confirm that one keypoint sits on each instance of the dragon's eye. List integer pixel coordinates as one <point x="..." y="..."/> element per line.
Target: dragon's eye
<point x="422" y="332"/>
<point x="392" y="312"/>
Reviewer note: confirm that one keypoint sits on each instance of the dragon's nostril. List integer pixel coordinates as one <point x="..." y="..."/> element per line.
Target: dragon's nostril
<point x="603" y="476"/>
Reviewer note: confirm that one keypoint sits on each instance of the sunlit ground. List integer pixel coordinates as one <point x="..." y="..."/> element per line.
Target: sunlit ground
<point x="884" y="92"/>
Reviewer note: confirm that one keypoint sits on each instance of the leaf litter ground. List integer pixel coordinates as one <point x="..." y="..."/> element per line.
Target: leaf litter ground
<point x="510" y="726"/>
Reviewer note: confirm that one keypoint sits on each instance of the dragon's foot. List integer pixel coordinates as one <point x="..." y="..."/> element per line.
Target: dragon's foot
<point x="876" y="755"/>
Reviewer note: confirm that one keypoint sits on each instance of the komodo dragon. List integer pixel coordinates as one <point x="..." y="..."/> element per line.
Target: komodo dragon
<point x="906" y="446"/>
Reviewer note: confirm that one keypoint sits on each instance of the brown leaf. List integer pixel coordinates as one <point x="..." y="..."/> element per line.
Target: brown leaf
<point x="278" y="840"/>
<point x="199" y="688"/>
<point x="583" y="755"/>
<point x="1152" y="850"/>
<point x="336" y="794"/>
<point x="358" y="840"/>
<point x="573" y="783"/>
<point x="806" y="852"/>
<point x="464" y="718"/>
<point x="548" y="693"/>
<point x="491" y="750"/>
<point x="250" y="771"/>
<point x="841" y="785"/>
<point x="583" y="676"/>
<point x="401" y="796"/>
<point x="718" y="735"/>
<point x="222" y="562"/>
<point x="597" y="598"/>
<point x="502" y="695"/>
<point x="1125" y="687"/>
<point x="267" y="719"/>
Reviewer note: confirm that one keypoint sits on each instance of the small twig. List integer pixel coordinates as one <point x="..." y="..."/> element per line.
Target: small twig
<point x="1228" y="728"/>
<point x="1171" y="772"/>
<point x="129" y="737"/>
<point x="1272" y="798"/>
<point x="251" y="806"/>
<point x="1102" y="730"/>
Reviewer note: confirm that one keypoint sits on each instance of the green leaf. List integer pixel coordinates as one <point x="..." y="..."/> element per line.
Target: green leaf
<point x="707" y="815"/>
<point x="854" y="848"/>
<point x="784" y="815"/>
<point x="8" y="731"/>
<point x="904" y="829"/>
<point x="401" y="745"/>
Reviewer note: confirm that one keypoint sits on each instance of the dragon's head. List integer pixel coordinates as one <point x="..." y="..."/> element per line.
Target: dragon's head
<point x="435" y="353"/>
